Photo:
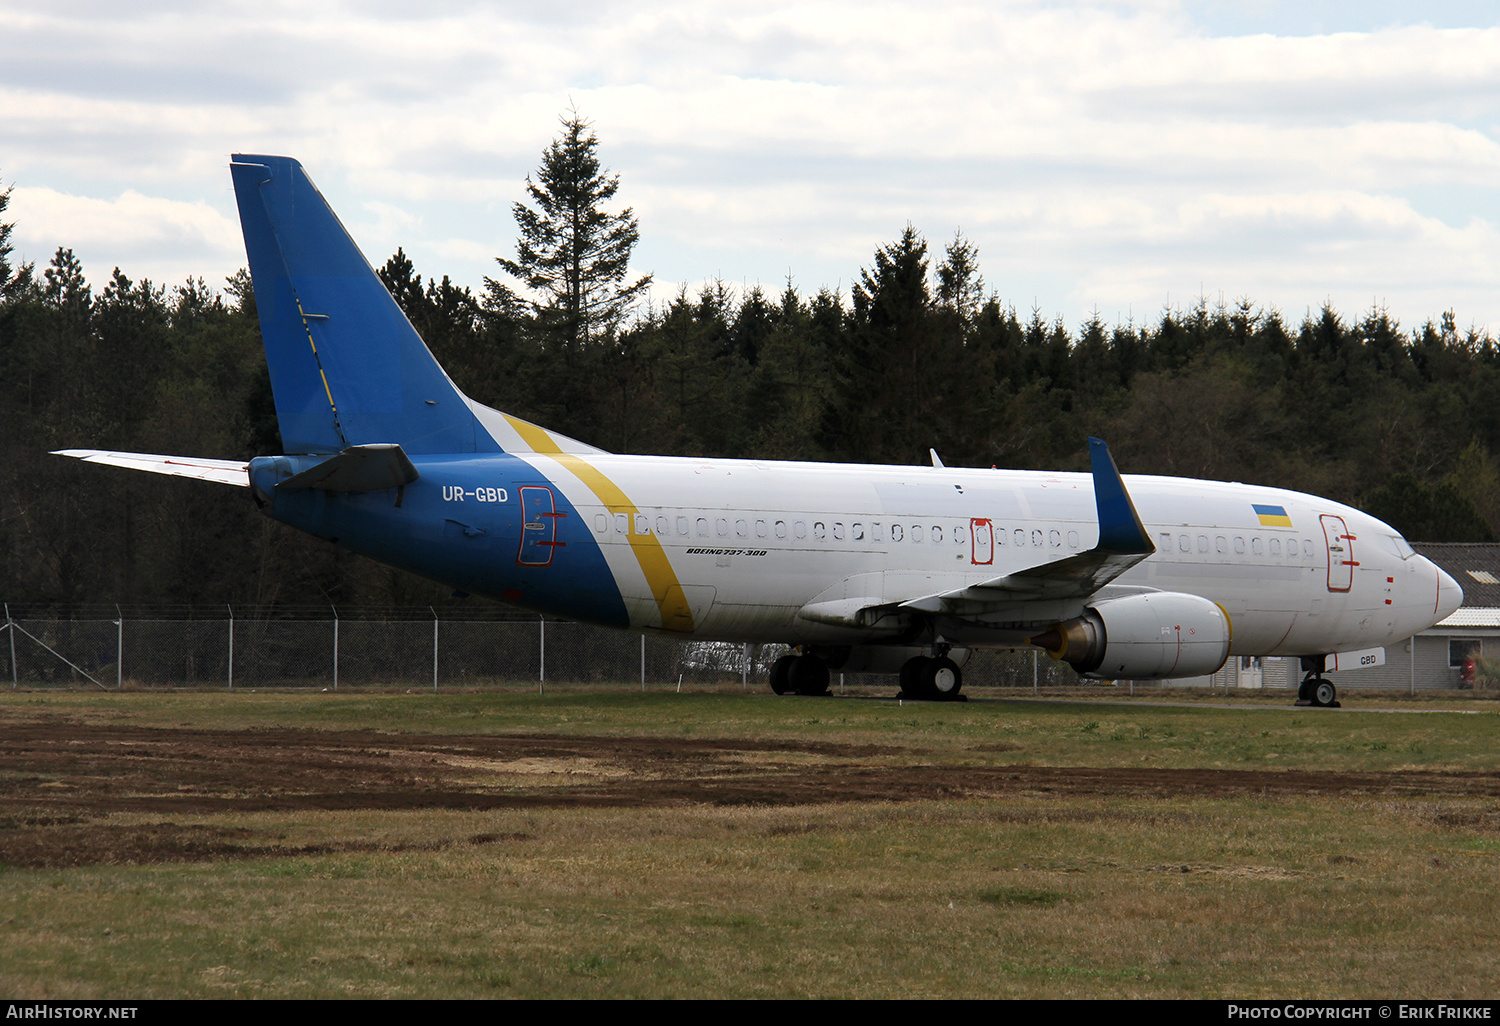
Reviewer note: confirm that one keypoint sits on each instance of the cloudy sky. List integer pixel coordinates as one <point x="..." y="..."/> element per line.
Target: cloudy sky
<point x="1118" y="157"/>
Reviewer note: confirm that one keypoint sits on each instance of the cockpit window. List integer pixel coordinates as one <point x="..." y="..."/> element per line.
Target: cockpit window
<point x="1402" y="547"/>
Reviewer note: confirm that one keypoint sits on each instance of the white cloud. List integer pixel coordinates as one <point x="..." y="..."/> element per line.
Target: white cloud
<point x="169" y="240"/>
<point x="1096" y="153"/>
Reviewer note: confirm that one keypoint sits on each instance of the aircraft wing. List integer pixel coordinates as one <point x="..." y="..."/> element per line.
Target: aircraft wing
<point x="1123" y="542"/>
<point x="229" y="472"/>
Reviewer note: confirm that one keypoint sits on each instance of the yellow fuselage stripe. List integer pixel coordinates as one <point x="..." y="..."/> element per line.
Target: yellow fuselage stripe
<point x="660" y="576"/>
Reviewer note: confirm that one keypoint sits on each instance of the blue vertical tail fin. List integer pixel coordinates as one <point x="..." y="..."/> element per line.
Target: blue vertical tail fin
<point x="347" y="368"/>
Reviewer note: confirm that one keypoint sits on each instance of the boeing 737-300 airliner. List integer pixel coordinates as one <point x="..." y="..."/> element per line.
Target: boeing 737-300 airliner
<point x="874" y="568"/>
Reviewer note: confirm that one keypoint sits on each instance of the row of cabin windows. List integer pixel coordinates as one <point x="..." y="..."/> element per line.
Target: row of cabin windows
<point x="821" y="531"/>
<point x="1258" y="546"/>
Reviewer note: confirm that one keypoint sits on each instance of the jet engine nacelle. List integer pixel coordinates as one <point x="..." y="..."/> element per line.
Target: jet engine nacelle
<point x="1143" y="637"/>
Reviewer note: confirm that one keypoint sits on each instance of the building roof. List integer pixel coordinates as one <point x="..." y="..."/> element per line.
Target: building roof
<point x="1472" y="616"/>
<point x="1474" y="565"/>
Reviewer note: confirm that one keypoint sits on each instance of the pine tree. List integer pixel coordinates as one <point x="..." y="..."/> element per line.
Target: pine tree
<point x="12" y="280"/>
<point x="573" y="254"/>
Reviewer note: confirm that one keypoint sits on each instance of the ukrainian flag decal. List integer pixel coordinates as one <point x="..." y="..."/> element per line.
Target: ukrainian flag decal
<point x="1272" y="516"/>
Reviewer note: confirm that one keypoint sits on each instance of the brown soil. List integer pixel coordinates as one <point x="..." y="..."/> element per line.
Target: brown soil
<point x="62" y="780"/>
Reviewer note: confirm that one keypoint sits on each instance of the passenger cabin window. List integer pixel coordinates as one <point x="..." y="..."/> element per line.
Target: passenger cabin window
<point x="622" y="523"/>
<point x="760" y="529"/>
<point x="819" y="531"/>
<point x="801" y="529"/>
<point x="1072" y="539"/>
<point x="742" y="528"/>
<point x="1275" y="546"/>
<point x="916" y="533"/>
<point x="1256" y="548"/>
<point x="937" y="533"/>
<point x="857" y="532"/>
<point x="1054" y="538"/>
<point x="1221" y="546"/>
<point x="781" y="528"/>
<point x="838" y="531"/>
<point x="682" y="525"/>
<point x="1203" y="543"/>
<point x="896" y="534"/>
<point x="1036" y="539"/>
<point x="1020" y="536"/>
<point x="642" y="524"/>
<point x="703" y="527"/>
<point x="1239" y="545"/>
<point x="601" y="522"/>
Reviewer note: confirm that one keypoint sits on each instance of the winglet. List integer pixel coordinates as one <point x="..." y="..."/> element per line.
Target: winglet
<point x="1120" y="527"/>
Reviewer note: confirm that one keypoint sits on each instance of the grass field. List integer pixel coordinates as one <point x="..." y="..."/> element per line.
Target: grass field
<point x="718" y="844"/>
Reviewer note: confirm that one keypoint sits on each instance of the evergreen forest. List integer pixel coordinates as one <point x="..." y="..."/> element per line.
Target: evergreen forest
<point x="1401" y="420"/>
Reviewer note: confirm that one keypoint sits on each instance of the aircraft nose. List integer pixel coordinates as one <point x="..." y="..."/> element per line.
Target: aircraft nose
<point x="1449" y="595"/>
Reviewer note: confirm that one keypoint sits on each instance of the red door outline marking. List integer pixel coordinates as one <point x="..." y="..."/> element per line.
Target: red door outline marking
<point x="539" y="516"/>
<point x="1341" y="562"/>
<point x="982" y="531"/>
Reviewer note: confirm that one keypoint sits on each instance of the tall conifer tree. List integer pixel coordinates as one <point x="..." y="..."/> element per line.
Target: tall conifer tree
<point x="573" y="254"/>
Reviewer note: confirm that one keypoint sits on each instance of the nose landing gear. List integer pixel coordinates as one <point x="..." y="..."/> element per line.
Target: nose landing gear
<point x="1316" y="690"/>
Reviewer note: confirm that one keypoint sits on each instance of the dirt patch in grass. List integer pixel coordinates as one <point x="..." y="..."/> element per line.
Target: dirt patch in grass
<point x="62" y="782"/>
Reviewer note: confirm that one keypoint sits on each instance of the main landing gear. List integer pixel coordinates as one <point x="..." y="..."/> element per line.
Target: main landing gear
<point x="1316" y="690"/>
<point x="932" y="679"/>
<point x="799" y="675"/>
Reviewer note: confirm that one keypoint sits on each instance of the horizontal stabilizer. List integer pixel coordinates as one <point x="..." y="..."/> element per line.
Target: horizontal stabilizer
<point x="229" y="472"/>
<point x="359" y="468"/>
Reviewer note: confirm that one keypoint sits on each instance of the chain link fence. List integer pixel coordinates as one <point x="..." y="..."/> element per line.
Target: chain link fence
<point x="455" y="649"/>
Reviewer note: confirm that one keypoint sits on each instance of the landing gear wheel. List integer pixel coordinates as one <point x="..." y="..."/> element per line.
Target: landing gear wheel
<point x="781" y="674"/>
<point x="946" y="680"/>
<point x="1324" y="695"/>
<point x="1304" y="690"/>
<point x="809" y="676"/>
<point x="916" y="681"/>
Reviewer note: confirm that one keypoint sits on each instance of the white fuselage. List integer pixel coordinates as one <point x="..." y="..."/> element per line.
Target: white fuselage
<point x="753" y="544"/>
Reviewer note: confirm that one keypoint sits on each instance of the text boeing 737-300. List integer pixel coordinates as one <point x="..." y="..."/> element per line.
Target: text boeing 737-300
<point x="874" y="568"/>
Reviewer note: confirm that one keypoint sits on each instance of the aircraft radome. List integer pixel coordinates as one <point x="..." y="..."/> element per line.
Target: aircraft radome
<point x="873" y="568"/>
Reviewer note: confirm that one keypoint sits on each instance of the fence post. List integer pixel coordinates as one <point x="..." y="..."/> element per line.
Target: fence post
<point x="1033" y="672"/>
<point x="643" y="662"/>
<point x="119" y="649"/>
<point x="434" y="647"/>
<point x="335" y="645"/>
<point x="9" y="629"/>
<point x="541" y="678"/>
<point x="231" y="645"/>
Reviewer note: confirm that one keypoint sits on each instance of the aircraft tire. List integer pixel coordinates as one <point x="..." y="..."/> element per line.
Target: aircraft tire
<point x="809" y="676"/>
<point x="944" y="679"/>
<point x="781" y="674"/>
<point x="916" y="679"/>
<point x="1324" y="694"/>
<point x="1304" y="690"/>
